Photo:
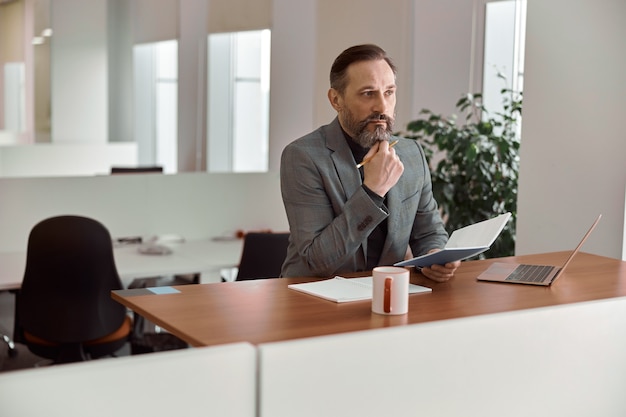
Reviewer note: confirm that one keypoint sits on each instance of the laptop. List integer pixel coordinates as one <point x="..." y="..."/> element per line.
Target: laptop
<point x="544" y="275"/>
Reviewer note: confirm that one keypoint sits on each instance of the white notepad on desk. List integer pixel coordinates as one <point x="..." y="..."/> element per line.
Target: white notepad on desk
<point x="341" y="290"/>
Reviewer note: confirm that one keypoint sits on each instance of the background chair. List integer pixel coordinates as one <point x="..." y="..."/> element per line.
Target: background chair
<point x="137" y="170"/>
<point x="64" y="309"/>
<point x="262" y="255"/>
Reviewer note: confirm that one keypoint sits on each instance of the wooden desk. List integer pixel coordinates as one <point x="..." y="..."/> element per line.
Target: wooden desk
<point x="266" y="310"/>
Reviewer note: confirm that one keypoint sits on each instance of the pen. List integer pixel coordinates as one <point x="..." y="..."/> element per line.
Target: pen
<point x="366" y="160"/>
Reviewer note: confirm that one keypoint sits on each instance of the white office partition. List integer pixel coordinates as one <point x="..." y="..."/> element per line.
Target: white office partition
<point x="559" y="361"/>
<point x="194" y="205"/>
<point x="65" y="159"/>
<point x="212" y="381"/>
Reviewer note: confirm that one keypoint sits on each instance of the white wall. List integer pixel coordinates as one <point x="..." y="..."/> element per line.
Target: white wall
<point x="120" y="75"/>
<point x="430" y="41"/>
<point x="444" y="54"/>
<point x="306" y="38"/>
<point x="341" y="24"/>
<point x="192" y="53"/>
<point x="79" y="71"/>
<point x="573" y="142"/>
<point x="292" y="99"/>
<point x="65" y="159"/>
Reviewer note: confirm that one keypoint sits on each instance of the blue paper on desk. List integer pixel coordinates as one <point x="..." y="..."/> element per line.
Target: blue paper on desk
<point x="464" y="243"/>
<point x="163" y="290"/>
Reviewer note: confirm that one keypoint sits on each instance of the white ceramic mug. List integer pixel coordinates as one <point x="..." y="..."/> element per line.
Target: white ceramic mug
<point x="390" y="290"/>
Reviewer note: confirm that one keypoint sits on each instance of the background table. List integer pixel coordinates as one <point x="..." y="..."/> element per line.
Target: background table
<point x="204" y="256"/>
<point x="266" y="310"/>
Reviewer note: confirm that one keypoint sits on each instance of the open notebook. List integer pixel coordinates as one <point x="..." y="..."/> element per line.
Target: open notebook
<point x="341" y="290"/>
<point x="545" y="275"/>
<point x="464" y="243"/>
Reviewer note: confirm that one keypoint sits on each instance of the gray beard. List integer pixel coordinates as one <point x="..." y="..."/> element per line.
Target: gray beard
<point x="367" y="139"/>
<point x="364" y="137"/>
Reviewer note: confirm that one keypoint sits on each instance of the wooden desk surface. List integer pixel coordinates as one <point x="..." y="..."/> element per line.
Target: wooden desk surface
<point x="266" y="310"/>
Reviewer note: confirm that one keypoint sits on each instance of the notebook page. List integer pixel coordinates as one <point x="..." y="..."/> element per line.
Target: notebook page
<point x="337" y="289"/>
<point x="478" y="235"/>
<point x="340" y="289"/>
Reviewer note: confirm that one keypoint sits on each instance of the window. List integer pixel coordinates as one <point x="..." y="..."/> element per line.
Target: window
<point x="505" y="23"/>
<point x="14" y="97"/>
<point x="156" y="104"/>
<point x="238" y="101"/>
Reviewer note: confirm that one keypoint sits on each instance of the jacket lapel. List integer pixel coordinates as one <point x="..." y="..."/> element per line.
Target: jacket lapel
<point x="348" y="173"/>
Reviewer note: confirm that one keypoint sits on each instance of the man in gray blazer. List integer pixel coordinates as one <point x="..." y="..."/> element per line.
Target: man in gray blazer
<point x="348" y="219"/>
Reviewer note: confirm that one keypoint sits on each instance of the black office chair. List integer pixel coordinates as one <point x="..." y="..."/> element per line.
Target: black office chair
<point x="64" y="309"/>
<point x="262" y="255"/>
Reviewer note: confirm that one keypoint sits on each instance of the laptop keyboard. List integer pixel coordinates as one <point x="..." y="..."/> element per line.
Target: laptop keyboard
<point x="529" y="273"/>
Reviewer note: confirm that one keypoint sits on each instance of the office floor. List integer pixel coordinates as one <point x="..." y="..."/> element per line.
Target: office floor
<point x="24" y="358"/>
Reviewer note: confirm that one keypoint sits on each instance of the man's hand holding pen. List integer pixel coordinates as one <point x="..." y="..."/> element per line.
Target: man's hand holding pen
<point x="381" y="168"/>
<point x="367" y="159"/>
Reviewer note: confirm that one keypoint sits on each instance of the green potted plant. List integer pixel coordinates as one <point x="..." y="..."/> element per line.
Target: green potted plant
<point x="474" y="163"/>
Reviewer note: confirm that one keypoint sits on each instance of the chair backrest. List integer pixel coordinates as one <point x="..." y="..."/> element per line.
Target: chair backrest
<point x="262" y="255"/>
<point x="70" y="271"/>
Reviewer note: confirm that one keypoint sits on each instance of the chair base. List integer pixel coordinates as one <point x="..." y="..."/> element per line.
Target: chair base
<point x="11" y="349"/>
<point x="145" y="336"/>
<point x="80" y="351"/>
<point x="156" y="342"/>
<point x="76" y="352"/>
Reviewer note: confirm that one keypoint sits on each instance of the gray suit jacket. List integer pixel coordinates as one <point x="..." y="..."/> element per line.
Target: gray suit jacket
<point x="330" y="214"/>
